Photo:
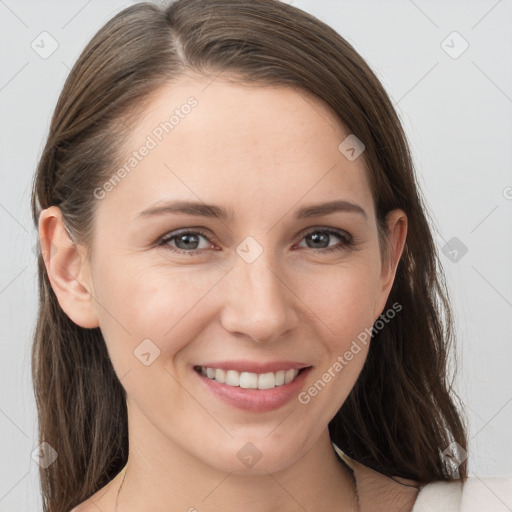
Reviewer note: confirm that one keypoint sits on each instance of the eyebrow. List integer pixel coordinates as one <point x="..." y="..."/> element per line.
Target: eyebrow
<point x="216" y="212"/>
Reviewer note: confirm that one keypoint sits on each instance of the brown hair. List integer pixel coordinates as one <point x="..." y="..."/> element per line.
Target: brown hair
<point x="400" y="415"/>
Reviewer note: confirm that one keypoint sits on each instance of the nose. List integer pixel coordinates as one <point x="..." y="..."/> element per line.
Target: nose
<point x="258" y="301"/>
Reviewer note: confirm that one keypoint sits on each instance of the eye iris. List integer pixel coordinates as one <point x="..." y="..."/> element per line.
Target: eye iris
<point x="187" y="238"/>
<point x="319" y="237"/>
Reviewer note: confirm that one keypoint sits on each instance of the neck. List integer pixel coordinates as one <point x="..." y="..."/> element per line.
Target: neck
<point x="155" y="479"/>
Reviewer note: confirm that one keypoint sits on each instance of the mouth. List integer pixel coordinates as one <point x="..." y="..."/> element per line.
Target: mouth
<point x="256" y="391"/>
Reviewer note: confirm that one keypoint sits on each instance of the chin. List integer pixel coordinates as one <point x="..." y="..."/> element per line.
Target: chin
<point x="262" y="455"/>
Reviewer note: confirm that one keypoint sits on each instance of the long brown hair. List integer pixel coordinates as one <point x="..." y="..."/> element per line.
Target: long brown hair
<point x="400" y="415"/>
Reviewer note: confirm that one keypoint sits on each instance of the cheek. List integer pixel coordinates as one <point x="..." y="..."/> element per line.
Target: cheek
<point x="342" y="297"/>
<point x="142" y="301"/>
<point x="343" y="304"/>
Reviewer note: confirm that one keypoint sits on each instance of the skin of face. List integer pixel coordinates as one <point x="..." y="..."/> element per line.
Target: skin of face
<point x="261" y="153"/>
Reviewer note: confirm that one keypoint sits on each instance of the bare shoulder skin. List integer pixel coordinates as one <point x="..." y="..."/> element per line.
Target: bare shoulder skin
<point x="378" y="492"/>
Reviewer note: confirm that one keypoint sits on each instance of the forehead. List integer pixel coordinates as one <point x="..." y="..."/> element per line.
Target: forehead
<point x="271" y="146"/>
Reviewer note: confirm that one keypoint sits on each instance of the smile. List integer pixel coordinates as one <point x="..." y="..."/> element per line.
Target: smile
<point x="267" y="387"/>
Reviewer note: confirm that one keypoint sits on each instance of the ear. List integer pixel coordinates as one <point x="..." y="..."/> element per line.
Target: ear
<point x="66" y="269"/>
<point x="396" y="221"/>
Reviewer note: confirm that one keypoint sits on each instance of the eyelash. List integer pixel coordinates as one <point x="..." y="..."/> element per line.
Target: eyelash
<point x="347" y="241"/>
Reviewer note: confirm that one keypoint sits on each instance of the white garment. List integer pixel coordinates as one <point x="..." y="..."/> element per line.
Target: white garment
<point x="476" y="495"/>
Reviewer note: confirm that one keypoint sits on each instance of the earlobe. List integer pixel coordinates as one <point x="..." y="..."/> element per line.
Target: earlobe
<point x="64" y="265"/>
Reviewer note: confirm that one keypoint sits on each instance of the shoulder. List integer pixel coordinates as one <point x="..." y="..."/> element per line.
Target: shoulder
<point x="91" y="505"/>
<point x="86" y="506"/>
<point x="103" y="499"/>
<point x="442" y="496"/>
<point x="379" y="492"/>
<point x="474" y="495"/>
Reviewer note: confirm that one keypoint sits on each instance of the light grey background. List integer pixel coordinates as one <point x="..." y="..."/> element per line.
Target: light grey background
<point x="457" y="114"/>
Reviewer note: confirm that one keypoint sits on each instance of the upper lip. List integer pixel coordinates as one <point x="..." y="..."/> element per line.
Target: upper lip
<point x="254" y="366"/>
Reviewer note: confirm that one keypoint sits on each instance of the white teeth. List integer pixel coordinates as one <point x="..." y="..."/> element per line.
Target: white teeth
<point x="289" y="376"/>
<point x="232" y="378"/>
<point x="280" y="377"/>
<point x="267" y="381"/>
<point x="248" y="380"/>
<point x="220" y="375"/>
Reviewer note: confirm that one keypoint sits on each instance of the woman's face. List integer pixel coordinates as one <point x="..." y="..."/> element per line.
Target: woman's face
<point x="262" y="280"/>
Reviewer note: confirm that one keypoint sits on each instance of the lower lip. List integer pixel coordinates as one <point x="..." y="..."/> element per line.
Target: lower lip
<point x="256" y="400"/>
